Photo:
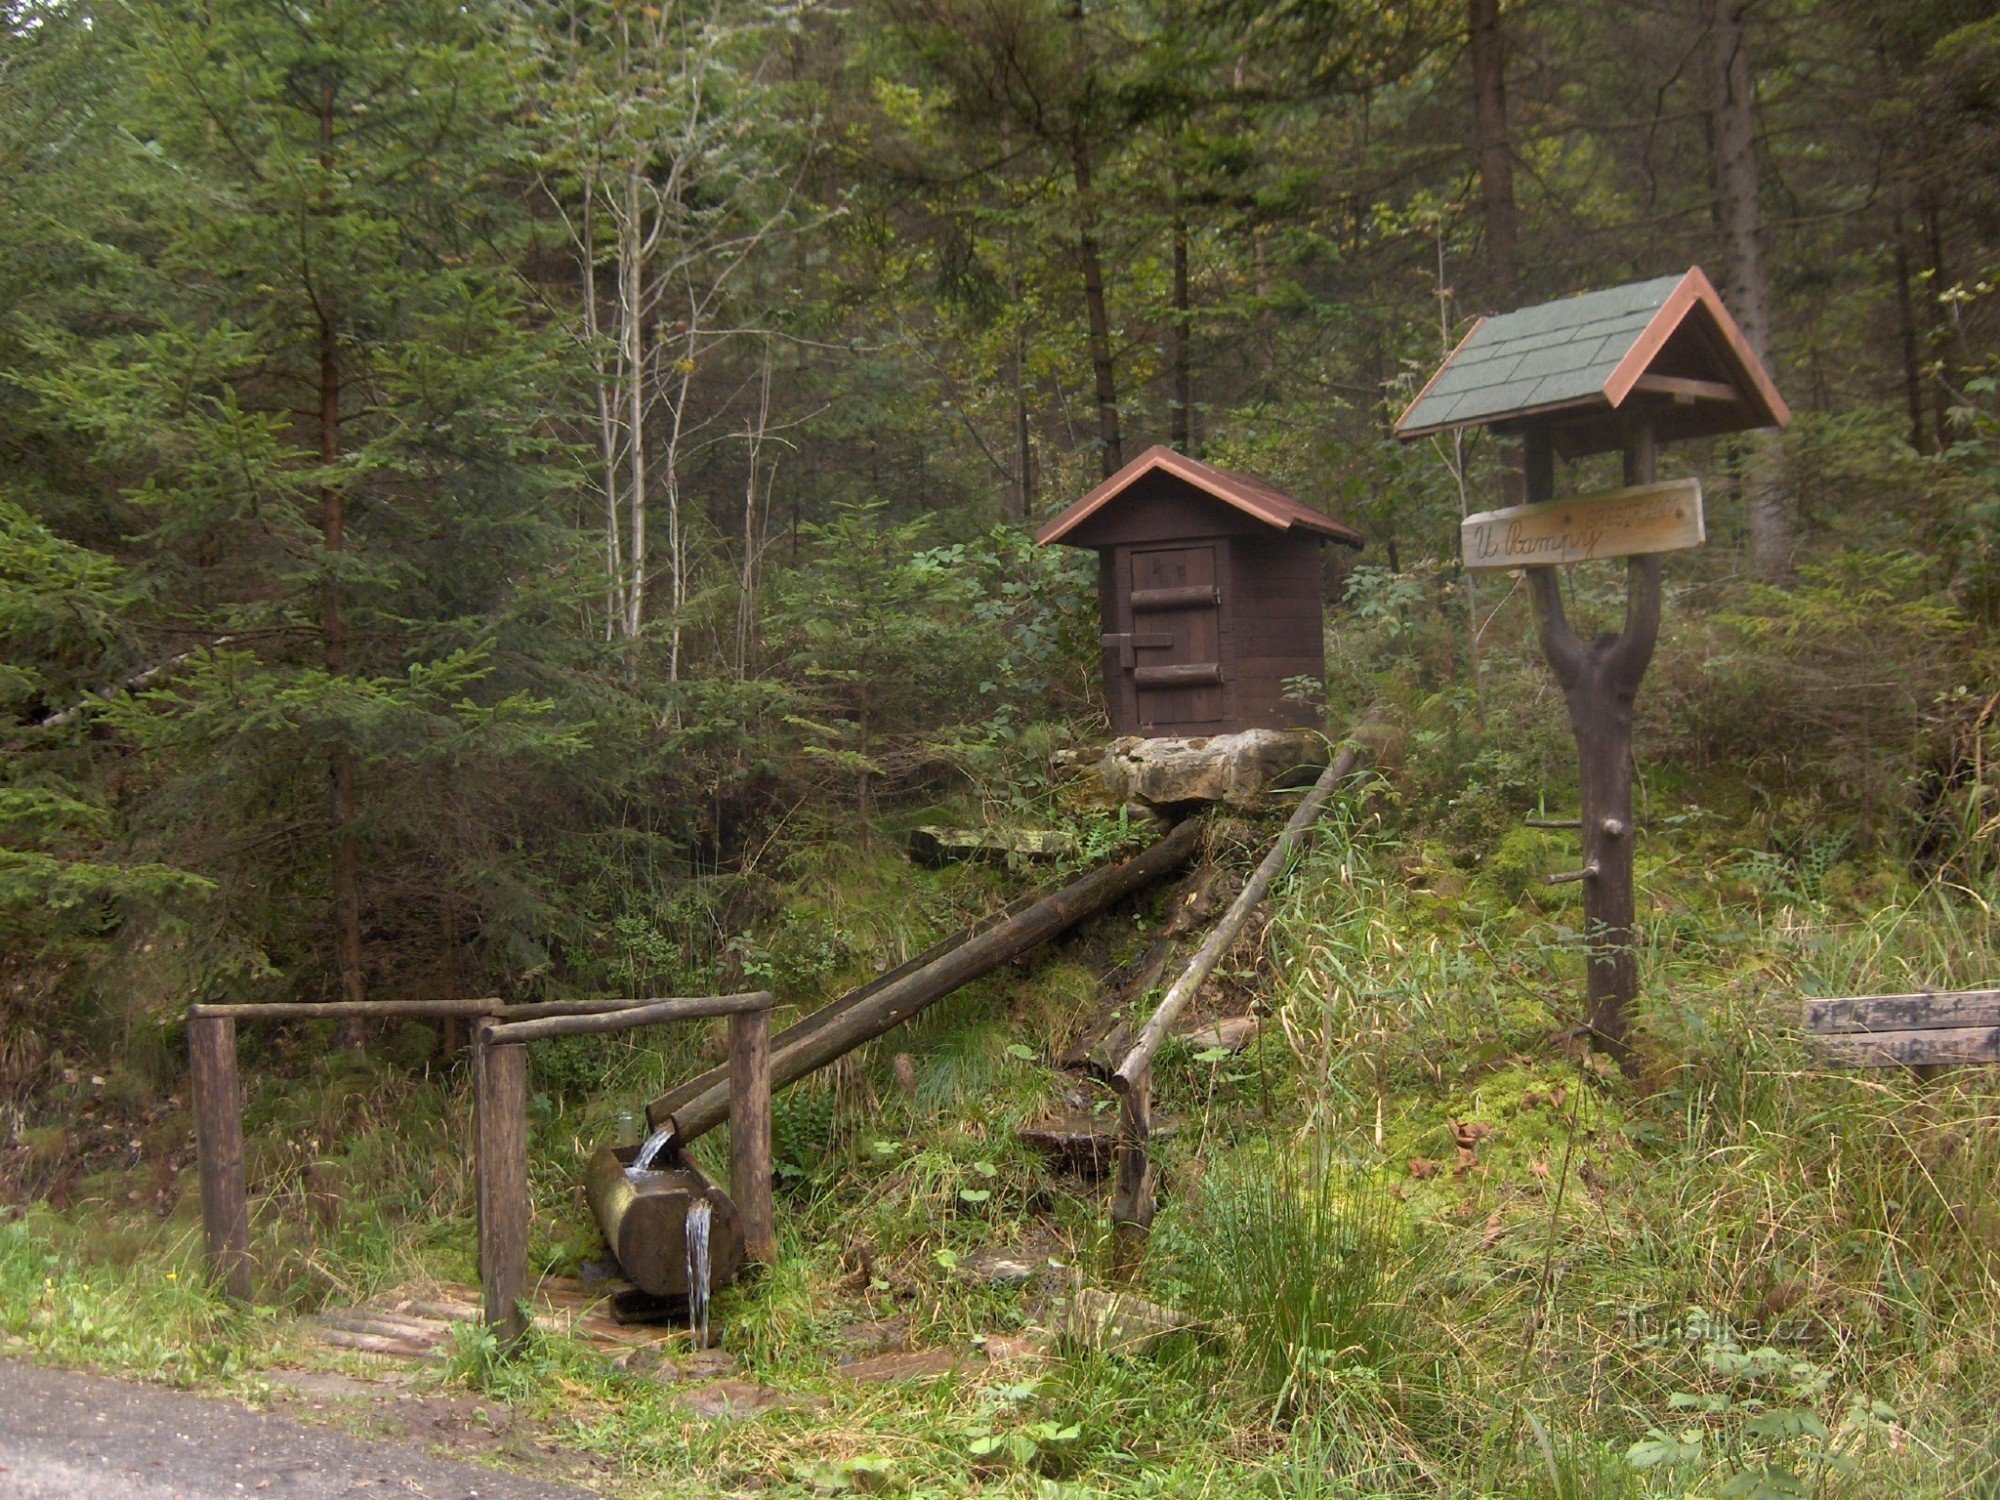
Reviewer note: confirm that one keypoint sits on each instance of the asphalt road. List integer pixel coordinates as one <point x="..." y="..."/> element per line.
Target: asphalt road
<point x="65" y="1436"/>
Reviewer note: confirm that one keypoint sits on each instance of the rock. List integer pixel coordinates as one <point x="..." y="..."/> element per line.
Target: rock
<point x="992" y="1268"/>
<point x="1231" y="768"/>
<point x="1118" y="1322"/>
<point x="904" y="1067"/>
<point x="327" y="1385"/>
<point x="1231" y="1034"/>
<point x="1015" y="1348"/>
<point x="881" y="1336"/>
<point x="910" y="1364"/>
<point x="732" y="1400"/>
<point x="933" y="847"/>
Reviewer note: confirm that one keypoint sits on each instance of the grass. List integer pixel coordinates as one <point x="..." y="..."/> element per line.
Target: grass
<point x="1737" y="1271"/>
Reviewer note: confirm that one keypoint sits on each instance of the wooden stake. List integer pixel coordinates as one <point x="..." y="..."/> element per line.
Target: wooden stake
<point x="218" y="1138"/>
<point x="501" y="1113"/>
<point x="1600" y="679"/>
<point x="1132" y="1201"/>
<point x="750" y="1131"/>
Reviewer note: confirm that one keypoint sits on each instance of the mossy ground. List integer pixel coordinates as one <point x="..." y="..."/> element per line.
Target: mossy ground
<point x="1583" y="1271"/>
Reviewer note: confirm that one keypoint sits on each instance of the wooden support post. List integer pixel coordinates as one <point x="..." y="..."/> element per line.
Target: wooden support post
<point x="500" y="1105"/>
<point x="1600" y="679"/>
<point x="750" y="1131"/>
<point x="218" y="1140"/>
<point x="1132" y="1200"/>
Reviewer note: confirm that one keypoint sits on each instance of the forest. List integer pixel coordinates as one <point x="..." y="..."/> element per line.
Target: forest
<point x="536" y="499"/>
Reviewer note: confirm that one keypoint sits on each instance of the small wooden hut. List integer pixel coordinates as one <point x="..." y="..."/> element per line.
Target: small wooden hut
<point x="1210" y="595"/>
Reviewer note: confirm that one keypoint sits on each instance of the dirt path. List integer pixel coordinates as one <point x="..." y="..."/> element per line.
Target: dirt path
<point x="65" y="1435"/>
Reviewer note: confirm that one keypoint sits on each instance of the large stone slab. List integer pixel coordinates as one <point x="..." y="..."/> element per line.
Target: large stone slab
<point x="1232" y="768"/>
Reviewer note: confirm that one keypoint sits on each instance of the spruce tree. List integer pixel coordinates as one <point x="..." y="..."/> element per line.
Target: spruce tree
<point x="324" y="416"/>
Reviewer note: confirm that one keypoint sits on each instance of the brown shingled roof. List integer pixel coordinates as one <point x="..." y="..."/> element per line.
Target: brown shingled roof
<point x="1253" y="497"/>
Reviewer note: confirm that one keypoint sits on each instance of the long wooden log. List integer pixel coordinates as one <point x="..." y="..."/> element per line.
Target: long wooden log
<point x="894" y="1004"/>
<point x="681" y="1094"/>
<point x="218" y="1142"/>
<point x="1223" y="937"/>
<point x="1904" y="1012"/>
<point x="631" y="1017"/>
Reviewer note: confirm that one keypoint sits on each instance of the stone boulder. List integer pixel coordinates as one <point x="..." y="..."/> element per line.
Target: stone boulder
<point x="1231" y="768"/>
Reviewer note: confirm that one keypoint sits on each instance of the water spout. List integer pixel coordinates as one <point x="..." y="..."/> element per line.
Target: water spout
<point x="649" y="1153"/>
<point x="700" y="1211"/>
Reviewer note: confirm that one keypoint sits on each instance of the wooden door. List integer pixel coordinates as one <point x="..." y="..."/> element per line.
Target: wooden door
<point x="1177" y="637"/>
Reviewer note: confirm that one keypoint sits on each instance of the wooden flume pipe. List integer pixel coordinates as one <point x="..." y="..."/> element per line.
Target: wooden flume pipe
<point x="663" y="1108"/>
<point x="894" y="1004"/>
<point x="1223" y="937"/>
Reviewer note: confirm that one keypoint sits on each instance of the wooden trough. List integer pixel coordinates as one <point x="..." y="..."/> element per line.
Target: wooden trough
<point x="644" y="1218"/>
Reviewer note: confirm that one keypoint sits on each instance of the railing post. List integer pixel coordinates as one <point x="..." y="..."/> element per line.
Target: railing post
<point x="218" y="1140"/>
<point x="500" y="1108"/>
<point x="750" y="1131"/>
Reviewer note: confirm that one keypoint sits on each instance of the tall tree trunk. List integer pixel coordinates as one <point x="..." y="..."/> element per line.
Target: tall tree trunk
<point x="1024" y="441"/>
<point x="1495" y="153"/>
<point x="1111" y="452"/>
<point x="1906" y="334"/>
<point x="1180" y="332"/>
<point x="1740" y="218"/>
<point x="1940" y="334"/>
<point x="632" y="336"/>
<point x="333" y="624"/>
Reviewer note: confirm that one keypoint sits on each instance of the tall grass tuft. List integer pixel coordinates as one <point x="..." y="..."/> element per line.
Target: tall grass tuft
<point x="1309" y="1261"/>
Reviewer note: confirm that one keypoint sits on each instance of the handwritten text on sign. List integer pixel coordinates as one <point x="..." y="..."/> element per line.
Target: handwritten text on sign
<point x="1613" y="523"/>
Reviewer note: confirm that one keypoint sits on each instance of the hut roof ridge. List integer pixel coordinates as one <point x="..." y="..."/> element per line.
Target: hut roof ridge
<point x="1254" y="497"/>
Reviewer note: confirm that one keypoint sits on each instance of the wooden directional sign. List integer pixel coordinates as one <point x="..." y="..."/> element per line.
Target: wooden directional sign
<point x="1612" y="523"/>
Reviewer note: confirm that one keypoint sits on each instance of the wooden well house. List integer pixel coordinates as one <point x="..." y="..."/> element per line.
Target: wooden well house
<point x="1210" y="593"/>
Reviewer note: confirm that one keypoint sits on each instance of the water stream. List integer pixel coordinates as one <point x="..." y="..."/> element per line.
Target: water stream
<point x="700" y="1211"/>
<point x="649" y="1153"/>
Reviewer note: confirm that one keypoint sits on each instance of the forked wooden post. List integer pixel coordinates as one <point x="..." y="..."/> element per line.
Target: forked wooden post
<point x="750" y="1132"/>
<point x="218" y="1140"/>
<point x="1600" y="679"/>
<point x="500" y="1108"/>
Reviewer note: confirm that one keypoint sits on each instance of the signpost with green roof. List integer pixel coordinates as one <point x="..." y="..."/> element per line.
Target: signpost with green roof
<point x="1619" y="370"/>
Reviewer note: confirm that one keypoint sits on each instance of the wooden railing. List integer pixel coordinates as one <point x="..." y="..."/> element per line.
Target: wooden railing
<point x="500" y="1110"/>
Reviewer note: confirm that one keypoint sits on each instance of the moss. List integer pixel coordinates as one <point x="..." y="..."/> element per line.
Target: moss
<point x="1515" y="869"/>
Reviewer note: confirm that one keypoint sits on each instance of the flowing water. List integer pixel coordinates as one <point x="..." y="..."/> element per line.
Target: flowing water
<point x="700" y="1211"/>
<point x="649" y="1153"/>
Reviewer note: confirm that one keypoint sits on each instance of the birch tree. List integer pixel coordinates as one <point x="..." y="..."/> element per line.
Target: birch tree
<point x="660" y="161"/>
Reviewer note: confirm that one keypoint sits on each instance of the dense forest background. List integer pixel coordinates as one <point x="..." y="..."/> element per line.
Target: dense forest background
<point x="483" y="484"/>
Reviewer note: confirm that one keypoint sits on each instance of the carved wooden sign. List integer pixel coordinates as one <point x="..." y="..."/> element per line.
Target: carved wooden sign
<point x="1613" y="523"/>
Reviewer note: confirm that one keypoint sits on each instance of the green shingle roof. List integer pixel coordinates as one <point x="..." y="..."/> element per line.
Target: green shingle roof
<point x="1539" y="356"/>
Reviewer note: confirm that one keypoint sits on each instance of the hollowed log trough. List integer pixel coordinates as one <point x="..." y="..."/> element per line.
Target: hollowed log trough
<point x="644" y="1219"/>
